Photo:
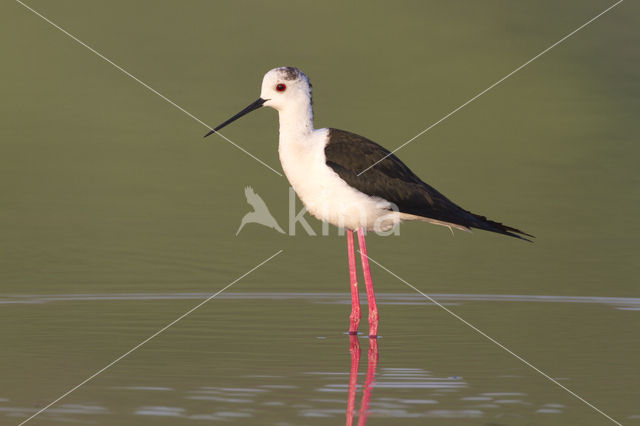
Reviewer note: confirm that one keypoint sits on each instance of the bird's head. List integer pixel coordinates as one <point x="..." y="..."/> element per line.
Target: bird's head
<point x="282" y="88"/>
<point x="285" y="86"/>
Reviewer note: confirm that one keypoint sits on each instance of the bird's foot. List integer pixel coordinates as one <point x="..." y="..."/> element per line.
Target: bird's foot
<point x="354" y="322"/>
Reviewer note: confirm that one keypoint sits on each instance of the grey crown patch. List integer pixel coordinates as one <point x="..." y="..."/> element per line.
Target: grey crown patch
<point x="290" y="73"/>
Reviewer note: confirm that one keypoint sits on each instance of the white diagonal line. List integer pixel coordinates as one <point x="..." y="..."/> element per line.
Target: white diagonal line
<point x="149" y="338"/>
<point x="482" y="333"/>
<point x="76" y="39"/>
<point x="493" y="85"/>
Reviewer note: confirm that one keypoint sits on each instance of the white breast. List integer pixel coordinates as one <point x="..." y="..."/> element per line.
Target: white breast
<point x="324" y="194"/>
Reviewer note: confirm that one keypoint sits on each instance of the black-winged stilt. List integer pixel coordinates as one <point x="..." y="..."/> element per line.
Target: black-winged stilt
<point x="324" y="167"/>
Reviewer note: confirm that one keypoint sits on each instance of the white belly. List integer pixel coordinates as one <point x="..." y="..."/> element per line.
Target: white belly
<point x="325" y="195"/>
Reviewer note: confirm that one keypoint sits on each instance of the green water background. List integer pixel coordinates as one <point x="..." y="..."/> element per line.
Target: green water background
<point x="106" y="188"/>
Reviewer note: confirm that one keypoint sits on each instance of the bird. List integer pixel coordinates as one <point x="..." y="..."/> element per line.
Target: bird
<point x="352" y="182"/>
<point x="260" y="213"/>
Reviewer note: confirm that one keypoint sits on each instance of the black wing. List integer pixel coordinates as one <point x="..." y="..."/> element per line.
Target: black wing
<point x="349" y="154"/>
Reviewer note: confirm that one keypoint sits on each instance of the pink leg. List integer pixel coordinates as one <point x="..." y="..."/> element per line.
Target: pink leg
<point x="353" y="276"/>
<point x="371" y="297"/>
<point x="369" y="381"/>
<point x="354" y="348"/>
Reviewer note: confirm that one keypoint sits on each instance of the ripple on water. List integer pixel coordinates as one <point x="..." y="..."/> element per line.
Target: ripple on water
<point x="622" y="303"/>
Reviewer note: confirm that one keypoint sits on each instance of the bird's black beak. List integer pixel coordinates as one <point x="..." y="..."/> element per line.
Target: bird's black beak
<point x="255" y="105"/>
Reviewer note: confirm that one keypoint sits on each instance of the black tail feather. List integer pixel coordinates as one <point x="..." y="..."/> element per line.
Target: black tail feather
<point x="483" y="223"/>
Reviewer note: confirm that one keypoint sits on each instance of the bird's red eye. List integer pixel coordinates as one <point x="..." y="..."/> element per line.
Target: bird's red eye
<point x="281" y="87"/>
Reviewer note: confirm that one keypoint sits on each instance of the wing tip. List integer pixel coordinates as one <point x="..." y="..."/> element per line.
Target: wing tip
<point x="507" y="230"/>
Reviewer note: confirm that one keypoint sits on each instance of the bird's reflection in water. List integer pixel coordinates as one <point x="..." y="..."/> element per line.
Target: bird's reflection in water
<point x="372" y="358"/>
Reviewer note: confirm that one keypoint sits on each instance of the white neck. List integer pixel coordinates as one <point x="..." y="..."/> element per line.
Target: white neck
<point x="296" y="121"/>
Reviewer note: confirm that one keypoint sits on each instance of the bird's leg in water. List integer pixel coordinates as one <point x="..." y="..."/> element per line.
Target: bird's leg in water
<point x="353" y="277"/>
<point x="371" y="297"/>
<point x="354" y="348"/>
<point x="369" y="382"/>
